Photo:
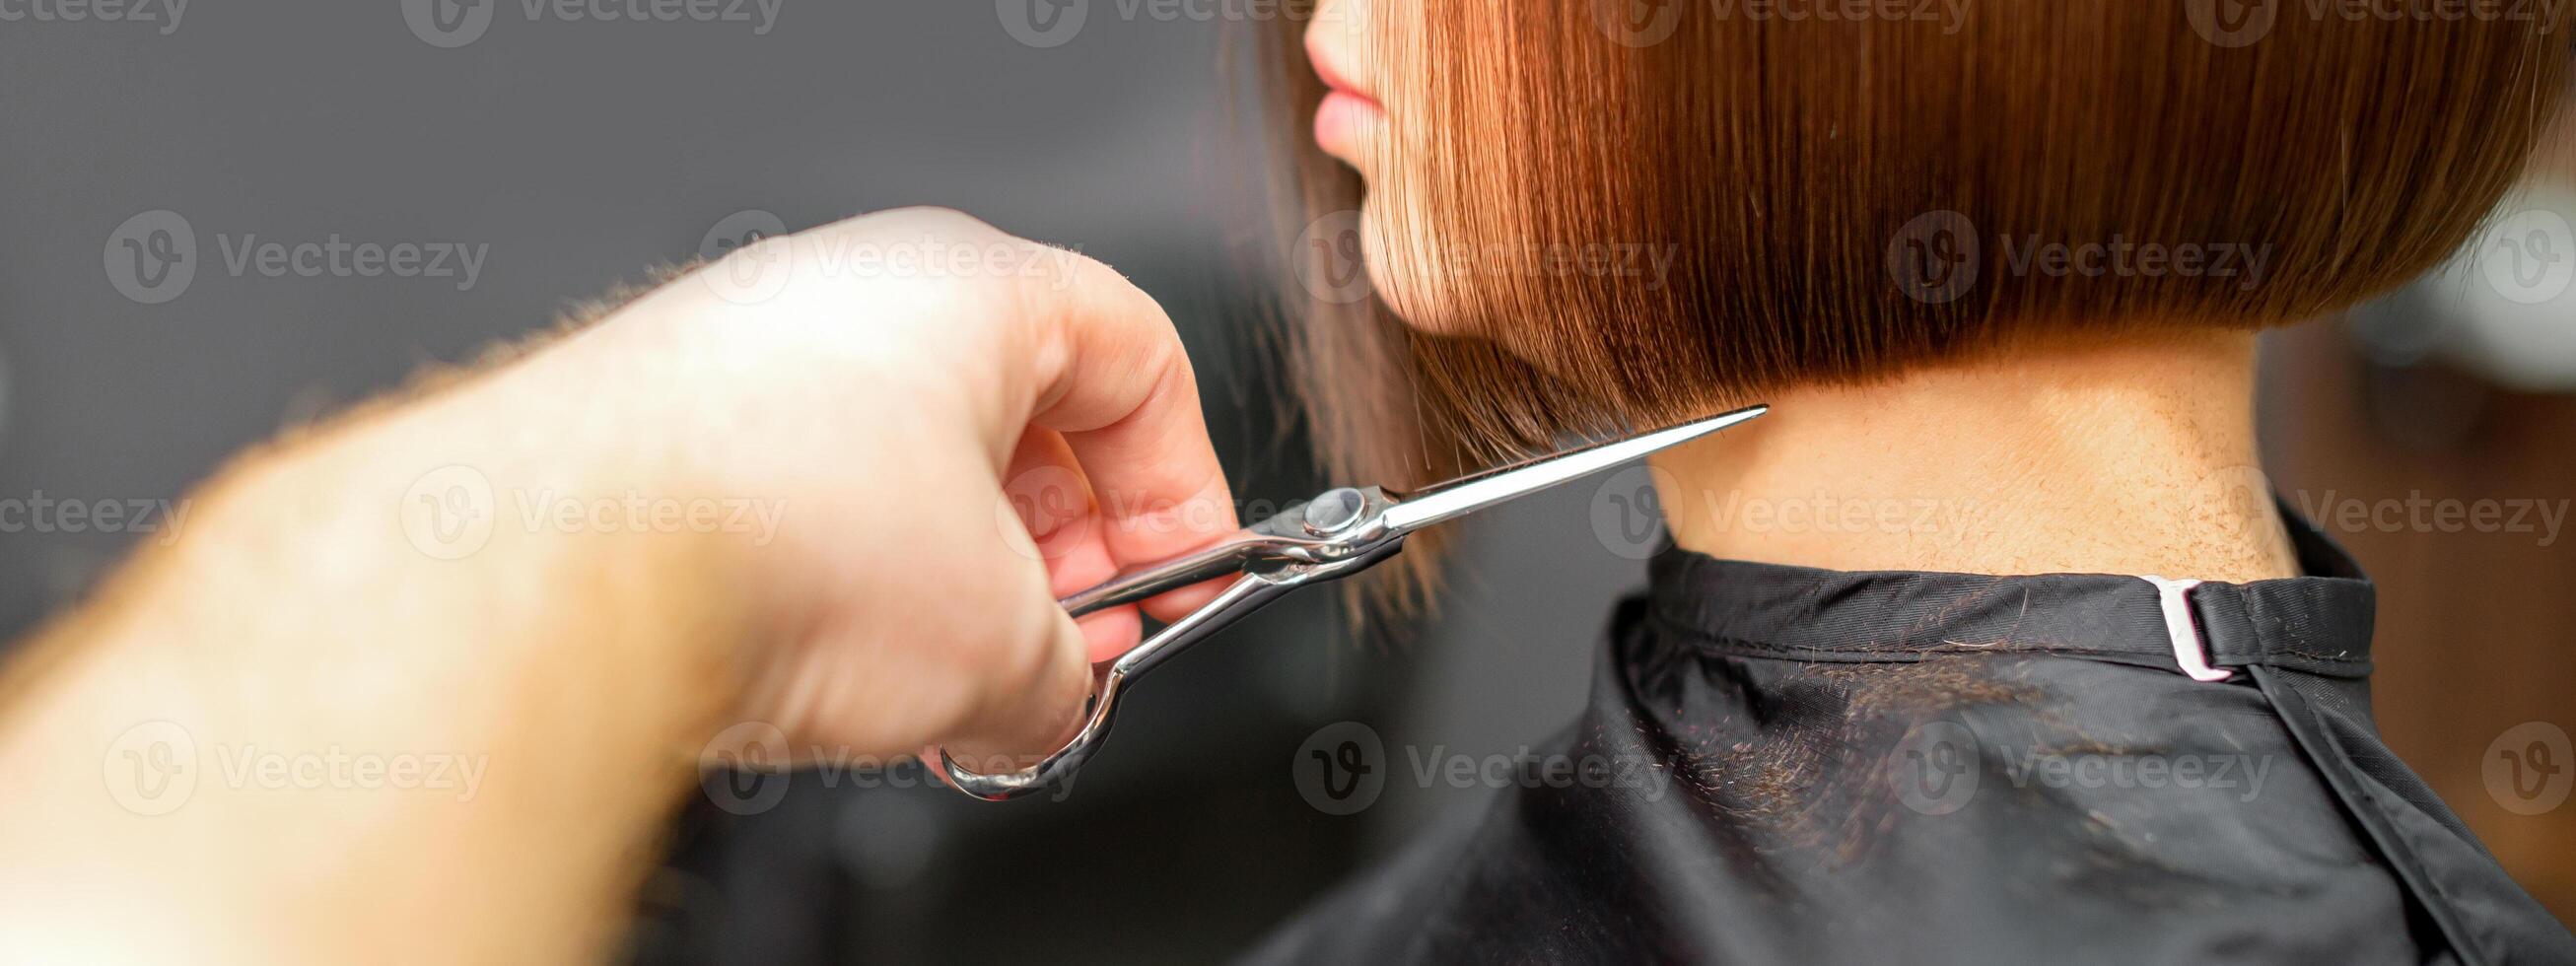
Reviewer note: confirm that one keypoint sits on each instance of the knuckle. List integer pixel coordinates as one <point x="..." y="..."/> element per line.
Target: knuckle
<point x="1161" y="363"/>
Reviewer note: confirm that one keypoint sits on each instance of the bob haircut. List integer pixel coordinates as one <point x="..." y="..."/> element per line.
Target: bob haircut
<point x="1836" y="200"/>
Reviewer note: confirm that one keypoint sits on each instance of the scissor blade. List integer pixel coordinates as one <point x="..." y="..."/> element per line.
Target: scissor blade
<point x="1449" y="501"/>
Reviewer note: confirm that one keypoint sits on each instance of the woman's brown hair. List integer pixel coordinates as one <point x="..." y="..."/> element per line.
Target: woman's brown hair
<point x="1835" y="199"/>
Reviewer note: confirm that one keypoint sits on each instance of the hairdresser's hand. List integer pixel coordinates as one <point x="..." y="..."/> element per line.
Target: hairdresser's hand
<point x="958" y="426"/>
<point x="500" y="621"/>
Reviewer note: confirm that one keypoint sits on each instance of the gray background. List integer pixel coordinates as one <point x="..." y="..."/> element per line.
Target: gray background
<point x="582" y="153"/>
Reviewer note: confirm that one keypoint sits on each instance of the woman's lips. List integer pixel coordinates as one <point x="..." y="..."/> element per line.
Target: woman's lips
<point x="1343" y="120"/>
<point x="1348" y="114"/>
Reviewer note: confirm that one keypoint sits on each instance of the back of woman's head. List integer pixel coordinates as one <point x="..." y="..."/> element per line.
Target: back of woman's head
<point x="1593" y="214"/>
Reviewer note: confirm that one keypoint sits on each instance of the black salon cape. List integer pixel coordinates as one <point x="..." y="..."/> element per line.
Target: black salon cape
<point x="1917" y="767"/>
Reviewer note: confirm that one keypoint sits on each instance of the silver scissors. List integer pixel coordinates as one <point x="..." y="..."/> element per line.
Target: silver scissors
<point x="1337" y="534"/>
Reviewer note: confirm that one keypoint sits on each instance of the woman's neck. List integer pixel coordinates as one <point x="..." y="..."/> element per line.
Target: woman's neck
<point x="2131" y="458"/>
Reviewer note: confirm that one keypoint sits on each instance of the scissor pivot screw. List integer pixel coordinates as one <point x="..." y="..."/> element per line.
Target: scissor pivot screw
<point x="1335" y="511"/>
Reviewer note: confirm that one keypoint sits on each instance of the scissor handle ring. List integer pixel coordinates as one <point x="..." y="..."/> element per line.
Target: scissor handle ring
<point x="1248" y="593"/>
<point x="1108" y="681"/>
<point x="1055" y="769"/>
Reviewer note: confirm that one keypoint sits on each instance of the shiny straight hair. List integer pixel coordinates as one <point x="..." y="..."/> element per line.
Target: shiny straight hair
<point x="1835" y="200"/>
